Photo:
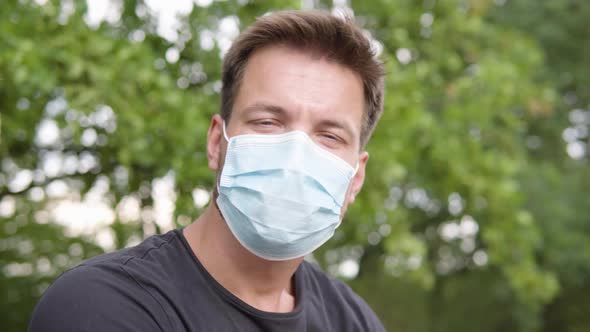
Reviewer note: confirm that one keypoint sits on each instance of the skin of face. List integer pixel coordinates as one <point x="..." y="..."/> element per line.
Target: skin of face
<point x="285" y="89"/>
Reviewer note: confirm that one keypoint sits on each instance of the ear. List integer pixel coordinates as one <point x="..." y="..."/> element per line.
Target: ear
<point x="359" y="178"/>
<point x="214" y="141"/>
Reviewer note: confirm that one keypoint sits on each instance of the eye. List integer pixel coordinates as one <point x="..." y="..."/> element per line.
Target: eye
<point x="331" y="137"/>
<point x="266" y="123"/>
<point x="330" y="140"/>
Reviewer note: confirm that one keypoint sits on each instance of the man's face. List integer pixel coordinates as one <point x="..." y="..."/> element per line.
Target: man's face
<point x="284" y="89"/>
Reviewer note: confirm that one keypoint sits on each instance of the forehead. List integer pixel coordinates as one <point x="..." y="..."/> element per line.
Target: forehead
<point x="302" y="83"/>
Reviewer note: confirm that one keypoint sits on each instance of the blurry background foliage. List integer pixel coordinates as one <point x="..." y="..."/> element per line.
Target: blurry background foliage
<point x="475" y="212"/>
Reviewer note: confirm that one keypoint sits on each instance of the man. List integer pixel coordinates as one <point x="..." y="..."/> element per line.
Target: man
<point x="302" y="92"/>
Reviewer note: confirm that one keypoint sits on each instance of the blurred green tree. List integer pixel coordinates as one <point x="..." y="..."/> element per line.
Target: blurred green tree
<point x="469" y="218"/>
<point x="557" y="183"/>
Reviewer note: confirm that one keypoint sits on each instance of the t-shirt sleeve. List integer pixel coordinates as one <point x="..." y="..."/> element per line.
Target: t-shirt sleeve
<point x="97" y="298"/>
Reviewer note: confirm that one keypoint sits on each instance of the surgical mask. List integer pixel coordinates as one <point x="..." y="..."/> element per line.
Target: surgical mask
<point x="281" y="195"/>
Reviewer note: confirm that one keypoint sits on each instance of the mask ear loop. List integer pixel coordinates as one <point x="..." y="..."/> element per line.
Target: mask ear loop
<point x="224" y="131"/>
<point x="227" y="139"/>
<point x="356" y="168"/>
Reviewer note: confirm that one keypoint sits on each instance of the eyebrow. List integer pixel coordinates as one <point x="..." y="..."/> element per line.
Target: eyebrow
<point x="274" y="109"/>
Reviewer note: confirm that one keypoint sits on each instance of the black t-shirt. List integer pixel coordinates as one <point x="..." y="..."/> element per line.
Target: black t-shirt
<point x="159" y="285"/>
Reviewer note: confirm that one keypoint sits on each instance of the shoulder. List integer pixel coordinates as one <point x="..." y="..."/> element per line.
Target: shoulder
<point x="104" y="293"/>
<point x="339" y="299"/>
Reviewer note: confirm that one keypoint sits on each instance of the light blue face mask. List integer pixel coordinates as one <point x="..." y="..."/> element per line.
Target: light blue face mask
<point x="281" y="195"/>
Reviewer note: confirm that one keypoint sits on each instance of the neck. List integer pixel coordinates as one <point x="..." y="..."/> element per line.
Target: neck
<point x="263" y="284"/>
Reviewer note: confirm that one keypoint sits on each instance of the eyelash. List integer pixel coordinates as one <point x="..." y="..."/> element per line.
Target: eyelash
<point x="265" y="122"/>
<point x="331" y="137"/>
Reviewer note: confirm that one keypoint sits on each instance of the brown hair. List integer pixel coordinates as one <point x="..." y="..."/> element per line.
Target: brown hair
<point x="337" y="39"/>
